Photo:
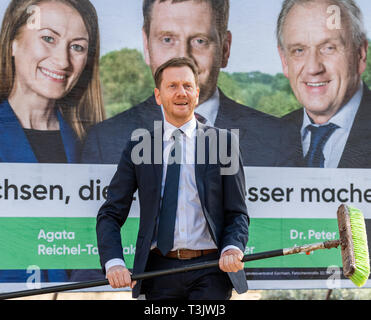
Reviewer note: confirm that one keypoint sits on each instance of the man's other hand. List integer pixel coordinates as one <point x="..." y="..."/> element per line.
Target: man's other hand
<point x="230" y="260"/>
<point x="120" y="277"/>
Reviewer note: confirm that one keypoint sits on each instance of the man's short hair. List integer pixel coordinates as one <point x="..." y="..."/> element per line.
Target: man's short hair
<point x="349" y="8"/>
<point x="220" y="9"/>
<point x="175" y="63"/>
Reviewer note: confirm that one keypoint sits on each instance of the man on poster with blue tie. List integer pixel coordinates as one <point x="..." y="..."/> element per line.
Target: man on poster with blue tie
<point x="190" y="212"/>
<point x="323" y="49"/>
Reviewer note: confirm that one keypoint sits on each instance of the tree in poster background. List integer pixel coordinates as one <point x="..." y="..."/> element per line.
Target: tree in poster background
<point x="127" y="81"/>
<point x="367" y="74"/>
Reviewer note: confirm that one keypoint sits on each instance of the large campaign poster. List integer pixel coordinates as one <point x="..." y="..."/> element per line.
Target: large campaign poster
<point x="52" y="185"/>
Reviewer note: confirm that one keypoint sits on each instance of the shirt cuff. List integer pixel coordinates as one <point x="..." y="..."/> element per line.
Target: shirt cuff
<point x="230" y="247"/>
<point x="114" y="262"/>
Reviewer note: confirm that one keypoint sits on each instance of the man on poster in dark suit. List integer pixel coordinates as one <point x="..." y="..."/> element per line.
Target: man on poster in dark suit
<point x="198" y="30"/>
<point x="324" y="54"/>
<point x="190" y="210"/>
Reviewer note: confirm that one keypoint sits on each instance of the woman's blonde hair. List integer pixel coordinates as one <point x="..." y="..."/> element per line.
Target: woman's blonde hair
<point x="83" y="105"/>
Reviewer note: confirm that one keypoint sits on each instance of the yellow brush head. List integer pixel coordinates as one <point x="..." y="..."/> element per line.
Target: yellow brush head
<point x="354" y="245"/>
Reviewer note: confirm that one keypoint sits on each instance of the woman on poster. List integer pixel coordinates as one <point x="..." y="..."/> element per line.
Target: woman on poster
<point x="49" y="87"/>
<point x="49" y="80"/>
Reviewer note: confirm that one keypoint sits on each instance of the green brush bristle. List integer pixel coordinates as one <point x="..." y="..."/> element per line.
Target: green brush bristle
<point x="359" y="236"/>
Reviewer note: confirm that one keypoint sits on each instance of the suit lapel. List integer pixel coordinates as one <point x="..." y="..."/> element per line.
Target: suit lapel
<point x="296" y="117"/>
<point x="225" y="117"/>
<point x="229" y="117"/>
<point x="357" y="151"/>
<point x="14" y="146"/>
<point x="71" y="143"/>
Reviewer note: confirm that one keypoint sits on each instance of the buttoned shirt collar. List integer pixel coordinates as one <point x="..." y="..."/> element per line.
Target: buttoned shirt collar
<point x="188" y="129"/>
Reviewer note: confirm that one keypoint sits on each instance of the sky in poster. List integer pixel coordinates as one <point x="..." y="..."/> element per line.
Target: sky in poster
<point x="252" y="24"/>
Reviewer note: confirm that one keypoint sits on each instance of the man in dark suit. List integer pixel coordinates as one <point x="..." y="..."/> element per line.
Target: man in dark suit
<point x="198" y="30"/>
<point x="324" y="64"/>
<point x="189" y="209"/>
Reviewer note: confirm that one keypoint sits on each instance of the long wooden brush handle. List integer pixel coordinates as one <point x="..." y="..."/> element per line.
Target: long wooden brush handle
<point x="293" y="250"/>
<point x="312" y="247"/>
<point x="198" y="266"/>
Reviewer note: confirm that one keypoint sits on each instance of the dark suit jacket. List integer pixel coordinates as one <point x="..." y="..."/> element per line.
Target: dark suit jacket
<point x="357" y="150"/>
<point x="264" y="139"/>
<point x="14" y="146"/>
<point x="222" y="199"/>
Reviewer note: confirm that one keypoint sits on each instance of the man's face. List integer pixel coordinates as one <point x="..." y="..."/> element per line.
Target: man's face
<point x="322" y="64"/>
<point x="178" y="94"/>
<point x="187" y="29"/>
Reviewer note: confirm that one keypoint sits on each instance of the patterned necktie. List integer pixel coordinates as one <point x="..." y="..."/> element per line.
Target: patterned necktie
<point x="315" y="158"/>
<point x="200" y="118"/>
<point x="166" y="225"/>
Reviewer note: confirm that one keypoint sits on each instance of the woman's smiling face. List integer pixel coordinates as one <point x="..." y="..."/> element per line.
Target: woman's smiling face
<point x="49" y="61"/>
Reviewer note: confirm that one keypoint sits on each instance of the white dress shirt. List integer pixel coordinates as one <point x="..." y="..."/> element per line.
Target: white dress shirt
<point x="344" y="119"/>
<point x="191" y="231"/>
